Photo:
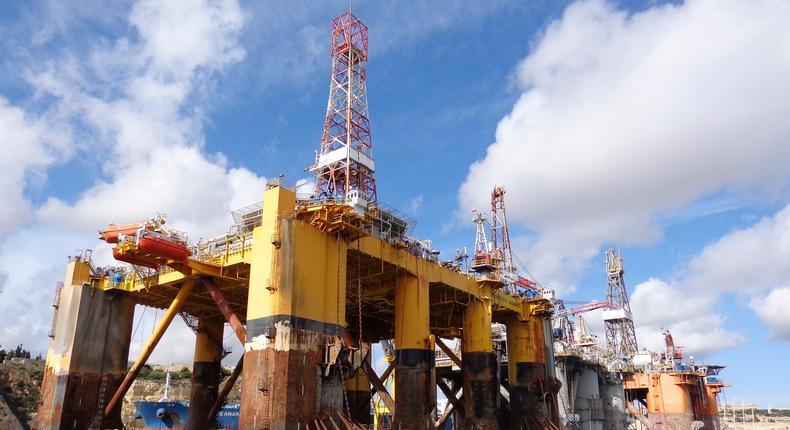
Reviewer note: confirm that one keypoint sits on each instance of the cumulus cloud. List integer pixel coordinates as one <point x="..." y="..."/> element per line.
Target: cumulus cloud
<point x="624" y="117"/>
<point x="658" y="305"/>
<point x="748" y="261"/>
<point x="29" y="146"/>
<point x="745" y="260"/>
<point x="144" y="103"/>
<point x="772" y="310"/>
<point x="140" y="99"/>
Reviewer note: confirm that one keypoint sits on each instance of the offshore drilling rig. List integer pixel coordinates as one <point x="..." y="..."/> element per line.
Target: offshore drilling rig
<point x="615" y="386"/>
<point x="308" y="284"/>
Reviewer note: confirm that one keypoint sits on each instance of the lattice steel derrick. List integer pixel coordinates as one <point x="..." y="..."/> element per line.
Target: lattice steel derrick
<point x="345" y="161"/>
<point x="618" y="321"/>
<point x="500" y="235"/>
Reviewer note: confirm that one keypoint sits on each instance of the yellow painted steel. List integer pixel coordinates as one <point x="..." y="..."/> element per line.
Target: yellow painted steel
<point x="525" y="336"/>
<point x="78" y="273"/>
<point x="412" y="313"/>
<point x="296" y="269"/>
<point x="433" y="272"/>
<point x="477" y="322"/>
<point x="360" y="381"/>
<point x="160" y="329"/>
<point x="208" y="341"/>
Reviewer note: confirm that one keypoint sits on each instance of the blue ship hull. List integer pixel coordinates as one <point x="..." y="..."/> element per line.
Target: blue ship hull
<point x="175" y="414"/>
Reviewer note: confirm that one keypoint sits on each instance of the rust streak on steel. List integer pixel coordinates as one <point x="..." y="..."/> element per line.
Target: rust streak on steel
<point x="175" y="306"/>
<point x="224" y="307"/>
<point x="212" y="414"/>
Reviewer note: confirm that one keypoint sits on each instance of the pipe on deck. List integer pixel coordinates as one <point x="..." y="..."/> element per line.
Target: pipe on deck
<point x="171" y="312"/>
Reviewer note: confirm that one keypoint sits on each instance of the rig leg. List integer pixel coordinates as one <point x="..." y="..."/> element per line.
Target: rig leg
<point x="415" y="395"/>
<point x="359" y="395"/>
<point x="295" y="322"/>
<point x="481" y="382"/>
<point x="205" y="371"/>
<point x="87" y="358"/>
<point x="223" y="394"/>
<point x="532" y="391"/>
<point x="159" y="331"/>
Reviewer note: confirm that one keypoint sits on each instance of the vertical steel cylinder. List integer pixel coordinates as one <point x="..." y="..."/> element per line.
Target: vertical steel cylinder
<point x="205" y="371"/>
<point x="414" y="393"/>
<point x="481" y="382"/>
<point x="295" y="322"/>
<point x="526" y="373"/>
<point x="159" y="331"/>
<point x="87" y="357"/>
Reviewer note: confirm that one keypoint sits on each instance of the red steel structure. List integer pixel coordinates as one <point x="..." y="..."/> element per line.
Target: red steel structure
<point x="344" y="166"/>
<point x="500" y="236"/>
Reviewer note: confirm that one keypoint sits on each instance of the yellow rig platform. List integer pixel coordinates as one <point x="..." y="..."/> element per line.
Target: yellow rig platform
<point x="308" y="287"/>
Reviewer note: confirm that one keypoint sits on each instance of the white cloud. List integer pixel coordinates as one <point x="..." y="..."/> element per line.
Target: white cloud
<point x="626" y="117"/>
<point x="691" y="316"/>
<point x="747" y="262"/>
<point x="140" y="100"/>
<point x="414" y="204"/>
<point x="772" y="310"/>
<point x="29" y="146"/>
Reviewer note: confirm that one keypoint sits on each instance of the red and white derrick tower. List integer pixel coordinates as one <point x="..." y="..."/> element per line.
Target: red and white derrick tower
<point x="619" y="322"/>
<point x="500" y="236"/>
<point x="344" y="166"/>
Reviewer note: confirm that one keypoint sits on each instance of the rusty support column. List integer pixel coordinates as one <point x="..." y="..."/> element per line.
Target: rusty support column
<point x="295" y="322"/>
<point x="532" y="391"/>
<point x="87" y="357"/>
<point x="159" y="331"/>
<point x="414" y="393"/>
<point x="205" y="371"/>
<point x="241" y="334"/>
<point x="223" y="394"/>
<point x="481" y="381"/>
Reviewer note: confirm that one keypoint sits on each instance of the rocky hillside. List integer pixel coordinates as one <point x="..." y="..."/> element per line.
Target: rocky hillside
<point x="20" y="387"/>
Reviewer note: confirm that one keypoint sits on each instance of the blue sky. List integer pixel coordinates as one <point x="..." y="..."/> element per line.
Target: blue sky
<point x="657" y="128"/>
